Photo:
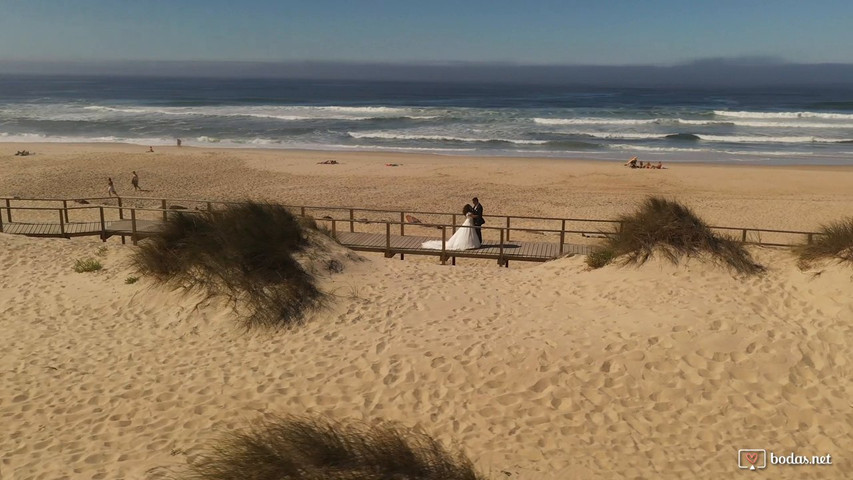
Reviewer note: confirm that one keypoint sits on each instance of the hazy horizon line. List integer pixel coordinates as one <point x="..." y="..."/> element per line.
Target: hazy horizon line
<point x="705" y="71"/>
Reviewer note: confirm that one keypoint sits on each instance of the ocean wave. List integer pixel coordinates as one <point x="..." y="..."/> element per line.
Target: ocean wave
<point x="641" y="148"/>
<point x="441" y="138"/>
<point x="710" y="138"/>
<point x="757" y="139"/>
<point x="592" y="121"/>
<point x="790" y="115"/>
<point x="285" y="113"/>
<point x="43" y="138"/>
<point x="765" y="124"/>
<point x="782" y="122"/>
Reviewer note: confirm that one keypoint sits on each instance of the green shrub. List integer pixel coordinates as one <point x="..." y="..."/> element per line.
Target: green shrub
<point x="244" y="251"/>
<point x="835" y="242"/>
<point x="131" y="280"/>
<point x="674" y="231"/>
<point x="309" y="449"/>
<point x="87" y="265"/>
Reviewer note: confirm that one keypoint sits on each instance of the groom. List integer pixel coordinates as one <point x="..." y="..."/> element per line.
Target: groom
<point x="478" y="220"/>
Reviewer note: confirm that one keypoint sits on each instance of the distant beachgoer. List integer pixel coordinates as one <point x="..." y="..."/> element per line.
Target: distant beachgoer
<point x="659" y="165"/>
<point x="135" y="181"/>
<point x="151" y="149"/>
<point x="179" y="142"/>
<point x="632" y="162"/>
<point x="111" y="188"/>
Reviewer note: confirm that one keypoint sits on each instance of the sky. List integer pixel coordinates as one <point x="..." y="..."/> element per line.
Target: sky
<point x="537" y="32"/>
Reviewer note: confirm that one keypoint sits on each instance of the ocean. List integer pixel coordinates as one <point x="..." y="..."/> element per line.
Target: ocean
<point x="808" y="126"/>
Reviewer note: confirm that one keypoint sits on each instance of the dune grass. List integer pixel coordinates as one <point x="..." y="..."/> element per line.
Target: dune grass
<point x="84" y="265"/>
<point x="291" y="448"/>
<point x="672" y="230"/>
<point x="835" y="242"/>
<point x="243" y="251"/>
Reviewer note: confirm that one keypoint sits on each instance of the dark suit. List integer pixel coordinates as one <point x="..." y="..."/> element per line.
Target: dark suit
<point x="478" y="220"/>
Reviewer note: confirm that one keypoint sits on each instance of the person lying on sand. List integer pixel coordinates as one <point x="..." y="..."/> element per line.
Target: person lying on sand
<point x="328" y="162"/>
<point x="392" y="164"/>
<point x="632" y="162"/>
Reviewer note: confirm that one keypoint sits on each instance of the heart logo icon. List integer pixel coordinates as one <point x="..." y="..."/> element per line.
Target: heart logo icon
<point x="752" y="457"/>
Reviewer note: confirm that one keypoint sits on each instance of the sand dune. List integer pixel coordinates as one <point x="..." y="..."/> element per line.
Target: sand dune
<point x="547" y="372"/>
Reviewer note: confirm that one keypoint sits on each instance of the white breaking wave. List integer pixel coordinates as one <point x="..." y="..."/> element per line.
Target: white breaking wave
<point x="641" y="148"/>
<point x="712" y="138"/>
<point x="744" y="114"/>
<point x="759" y="124"/>
<point x="757" y="139"/>
<point x="785" y="123"/>
<point x="42" y="138"/>
<point x="286" y="113"/>
<point x="444" y="138"/>
<point x="593" y="121"/>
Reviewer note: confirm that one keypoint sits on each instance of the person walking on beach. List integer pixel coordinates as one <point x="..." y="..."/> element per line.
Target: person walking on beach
<point x="179" y="142"/>
<point x="135" y="182"/>
<point x="478" y="219"/>
<point x="111" y="188"/>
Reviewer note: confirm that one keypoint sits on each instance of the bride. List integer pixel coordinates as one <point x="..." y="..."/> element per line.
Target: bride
<point x="464" y="239"/>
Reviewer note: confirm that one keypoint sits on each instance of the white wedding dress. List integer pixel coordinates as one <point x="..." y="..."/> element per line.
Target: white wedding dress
<point x="464" y="239"/>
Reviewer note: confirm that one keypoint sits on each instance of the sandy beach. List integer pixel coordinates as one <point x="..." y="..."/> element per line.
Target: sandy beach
<point x="550" y="371"/>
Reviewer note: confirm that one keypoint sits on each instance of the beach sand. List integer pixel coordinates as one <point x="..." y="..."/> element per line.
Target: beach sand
<point x="550" y="371"/>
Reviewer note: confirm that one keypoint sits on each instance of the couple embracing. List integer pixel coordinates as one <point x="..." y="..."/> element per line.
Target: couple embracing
<point x="469" y="235"/>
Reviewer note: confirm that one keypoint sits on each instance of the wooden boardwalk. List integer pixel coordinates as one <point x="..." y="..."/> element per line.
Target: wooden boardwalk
<point x="140" y="219"/>
<point x="358" y="241"/>
<point x="144" y="228"/>
<point x="523" y="251"/>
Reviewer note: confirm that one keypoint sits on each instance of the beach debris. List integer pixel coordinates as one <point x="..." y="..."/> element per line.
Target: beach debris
<point x="82" y="201"/>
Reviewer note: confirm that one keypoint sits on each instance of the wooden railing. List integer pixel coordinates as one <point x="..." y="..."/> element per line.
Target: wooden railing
<point x="746" y="235"/>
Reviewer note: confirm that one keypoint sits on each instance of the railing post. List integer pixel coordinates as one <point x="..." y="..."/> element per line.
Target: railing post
<point x="120" y="210"/>
<point x="133" y="225"/>
<point x="334" y="230"/>
<point x="387" y="239"/>
<point x="61" y="223"/>
<point x="209" y="206"/>
<point x="443" y="245"/>
<point x="562" y="237"/>
<point x="743" y="237"/>
<point x="103" y="225"/>
<point x="8" y="211"/>
<point x="65" y="209"/>
<point x="351" y="220"/>
<point x="164" y="206"/>
<point x="402" y="224"/>
<point x="454" y="223"/>
<point x="302" y="210"/>
<point x="1" y="223"/>
<point x="501" y="251"/>
<point x="507" y="229"/>
<point x="808" y="240"/>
